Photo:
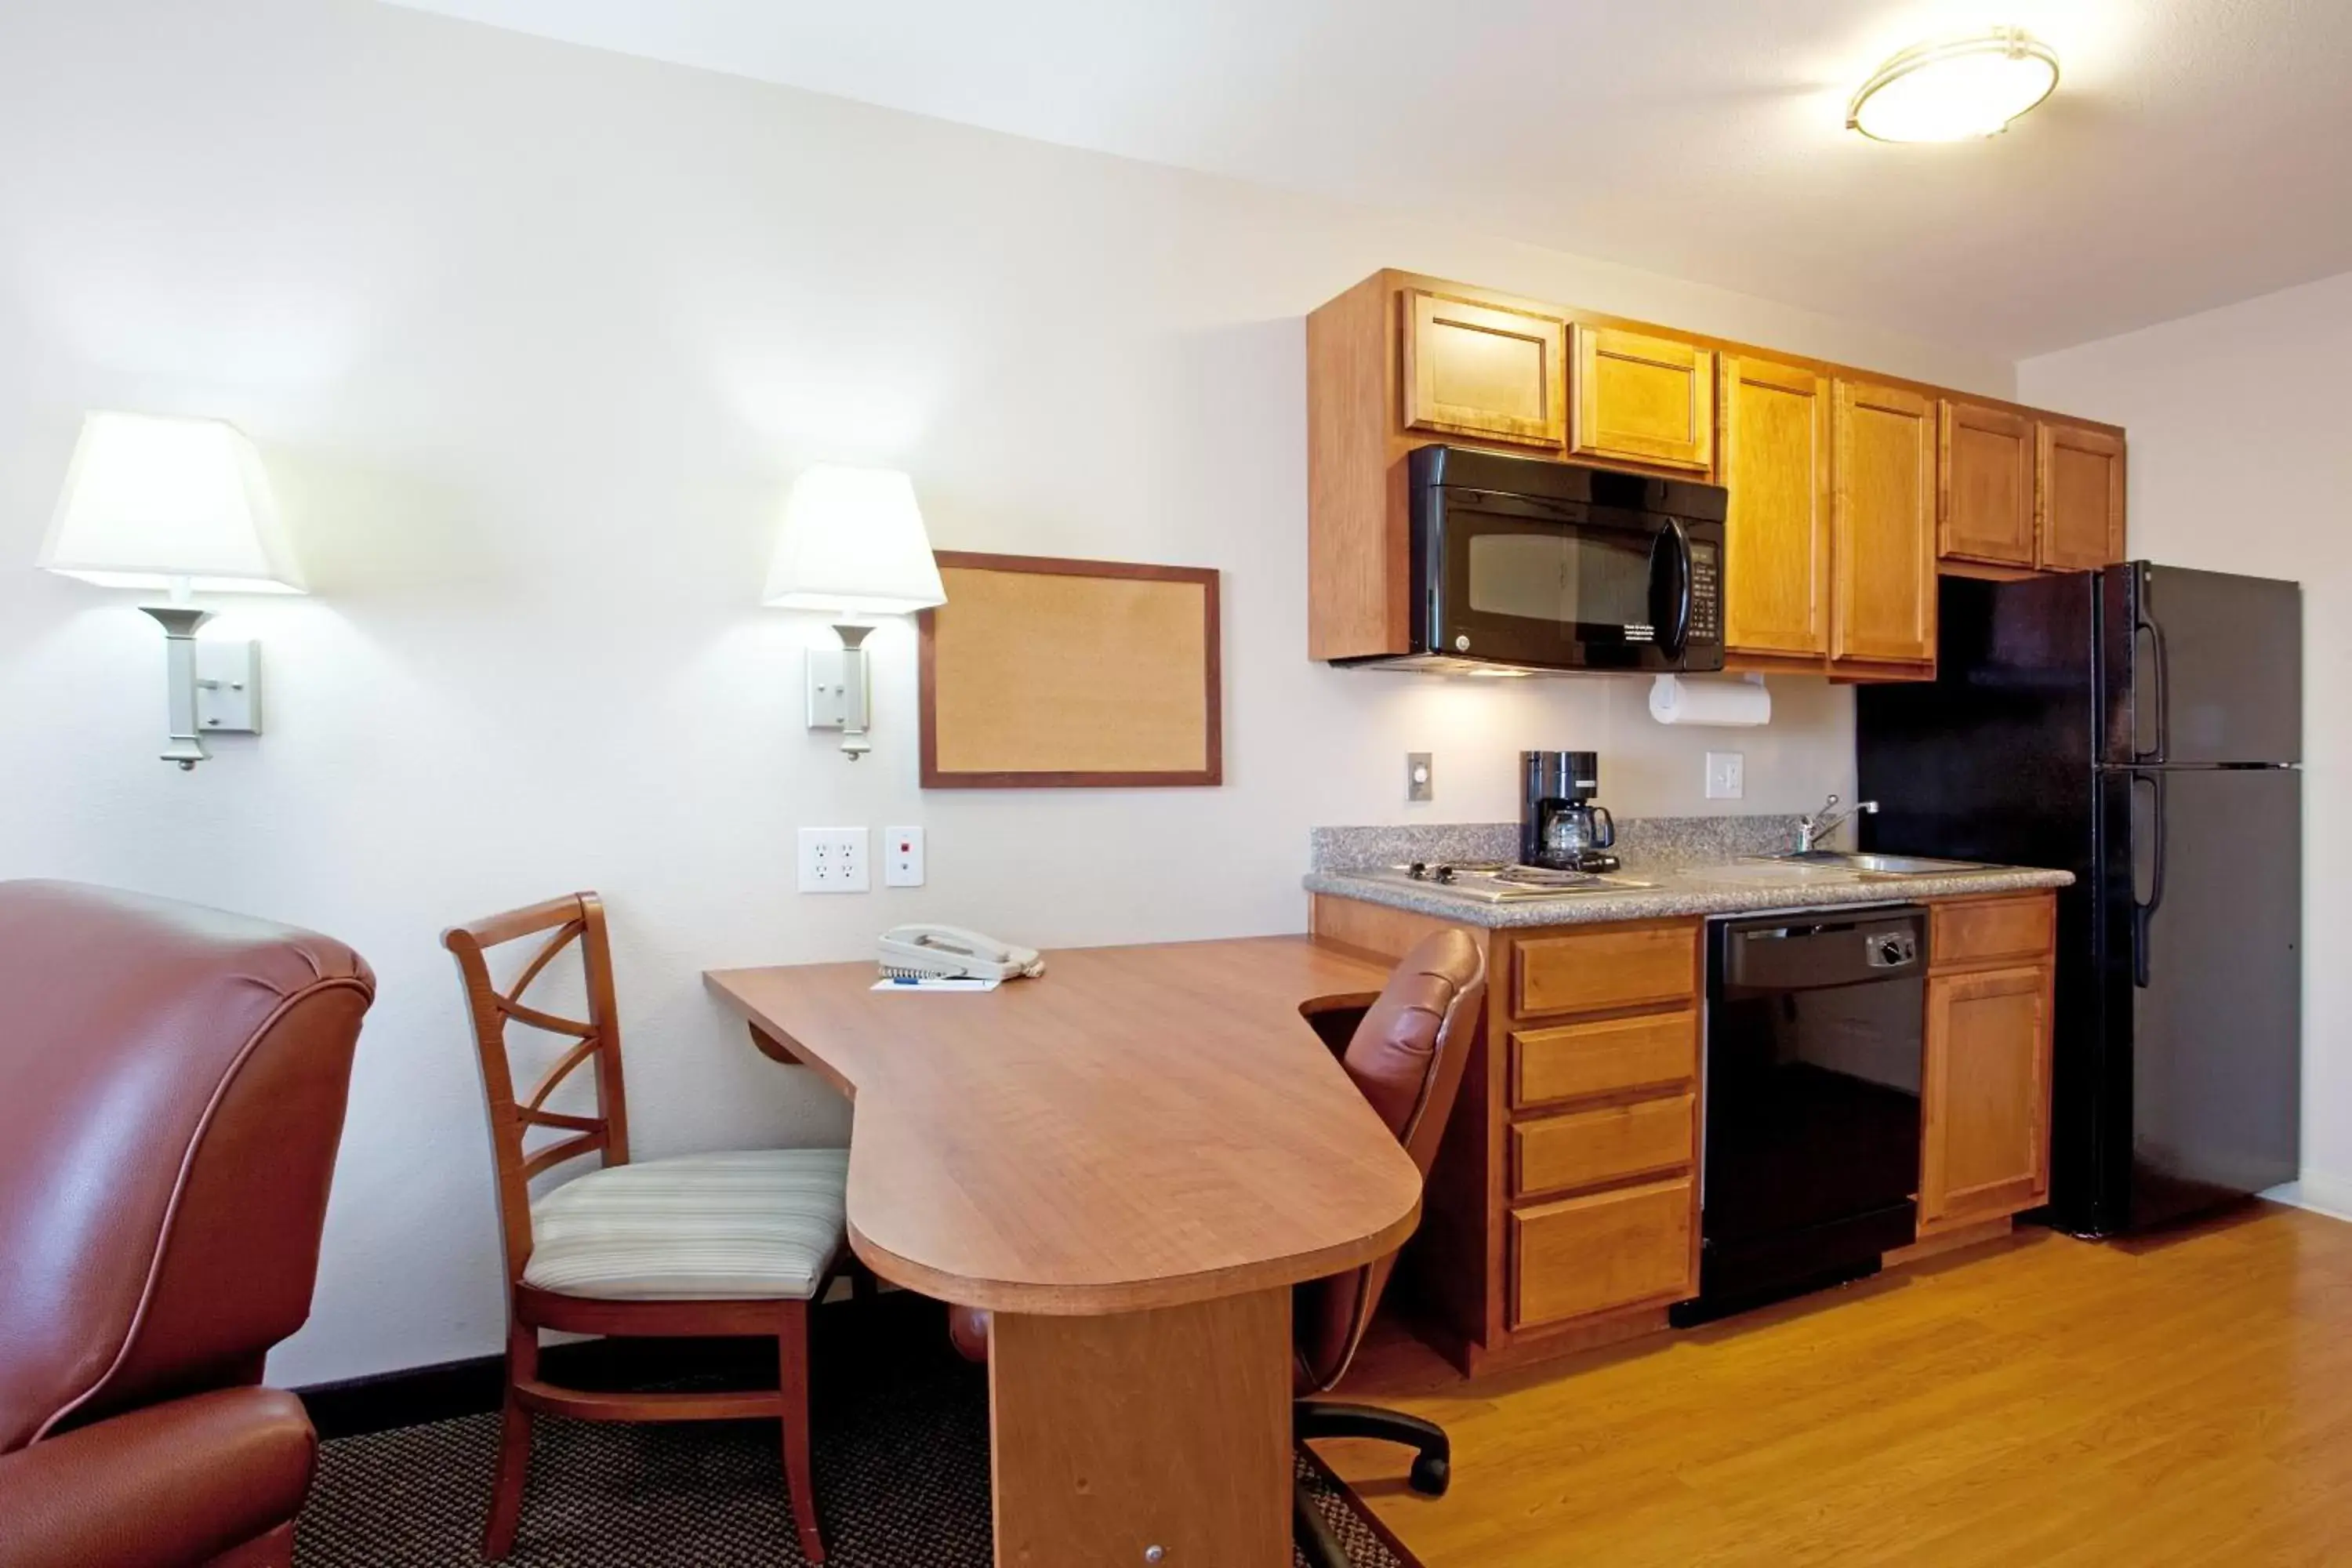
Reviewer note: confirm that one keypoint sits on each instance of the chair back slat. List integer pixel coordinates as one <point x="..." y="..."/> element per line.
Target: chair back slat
<point x="579" y="919"/>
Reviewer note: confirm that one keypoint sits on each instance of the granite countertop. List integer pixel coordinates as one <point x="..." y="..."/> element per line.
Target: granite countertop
<point x="1694" y="864"/>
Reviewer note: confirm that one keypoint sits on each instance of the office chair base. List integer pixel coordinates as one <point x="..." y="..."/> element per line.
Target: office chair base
<point x="1432" y="1463"/>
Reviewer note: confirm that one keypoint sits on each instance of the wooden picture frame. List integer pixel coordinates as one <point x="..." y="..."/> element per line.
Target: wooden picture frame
<point x="1045" y="673"/>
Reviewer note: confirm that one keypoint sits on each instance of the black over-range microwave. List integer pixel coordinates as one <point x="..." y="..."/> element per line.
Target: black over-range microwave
<point x="1521" y="562"/>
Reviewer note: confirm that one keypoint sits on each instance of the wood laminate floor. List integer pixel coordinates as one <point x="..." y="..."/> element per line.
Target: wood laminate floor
<point x="2034" y="1401"/>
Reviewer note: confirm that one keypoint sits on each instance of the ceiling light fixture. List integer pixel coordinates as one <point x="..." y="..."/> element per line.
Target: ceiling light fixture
<point x="1956" y="90"/>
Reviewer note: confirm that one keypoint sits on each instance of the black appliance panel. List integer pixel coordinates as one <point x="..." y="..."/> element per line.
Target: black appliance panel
<point x="1553" y="565"/>
<point x="1812" y="1095"/>
<point x="2200" y="667"/>
<point x="2207" y="968"/>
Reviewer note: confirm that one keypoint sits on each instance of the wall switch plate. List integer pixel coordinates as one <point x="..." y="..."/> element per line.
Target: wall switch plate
<point x="833" y="860"/>
<point x="828" y="688"/>
<point x="902" y="856"/>
<point x="1419" y="776"/>
<point x="1727" y="774"/>
<point x="228" y="686"/>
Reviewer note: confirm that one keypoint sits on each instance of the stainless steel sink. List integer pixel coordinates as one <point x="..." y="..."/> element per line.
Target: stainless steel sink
<point x="1874" y="866"/>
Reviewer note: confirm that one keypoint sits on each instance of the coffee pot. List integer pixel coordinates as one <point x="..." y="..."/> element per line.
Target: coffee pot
<point x="1559" y="828"/>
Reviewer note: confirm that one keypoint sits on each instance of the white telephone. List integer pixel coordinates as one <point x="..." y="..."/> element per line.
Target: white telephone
<point x="914" y="951"/>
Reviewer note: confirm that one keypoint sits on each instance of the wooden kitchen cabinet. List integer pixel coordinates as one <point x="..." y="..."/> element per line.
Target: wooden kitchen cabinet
<point x="1985" y="1137"/>
<point x="1641" y="398"/>
<point x="1984" y="1146"/>
<point x="1776" y="538"/>
<point x="1837" y="501"/>
<point x="2080" y="497"/>
<point x="1485" y="371"/>
<point x="1883" y="527"/>
<point x="1985" y="484"/>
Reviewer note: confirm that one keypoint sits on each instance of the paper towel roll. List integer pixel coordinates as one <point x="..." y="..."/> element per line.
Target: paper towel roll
<point x="1741" y="703"/>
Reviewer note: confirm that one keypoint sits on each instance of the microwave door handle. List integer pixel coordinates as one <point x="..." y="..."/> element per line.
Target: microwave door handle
<point x="1681" y="639"/>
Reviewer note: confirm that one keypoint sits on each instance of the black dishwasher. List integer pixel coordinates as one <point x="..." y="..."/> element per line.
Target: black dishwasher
<point x="1812" y="1102"/>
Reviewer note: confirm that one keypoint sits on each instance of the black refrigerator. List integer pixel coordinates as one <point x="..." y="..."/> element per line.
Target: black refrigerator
<point x="2141" y="727"/>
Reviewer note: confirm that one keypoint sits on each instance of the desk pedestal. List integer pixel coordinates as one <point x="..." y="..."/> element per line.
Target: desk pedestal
<point x="1171" y="1428"/>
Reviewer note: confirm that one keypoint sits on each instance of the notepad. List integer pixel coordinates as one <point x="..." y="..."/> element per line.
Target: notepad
<point x="936" y="982"/>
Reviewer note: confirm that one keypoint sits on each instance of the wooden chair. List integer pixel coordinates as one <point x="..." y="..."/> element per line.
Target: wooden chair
<point x="704" y="1244"/>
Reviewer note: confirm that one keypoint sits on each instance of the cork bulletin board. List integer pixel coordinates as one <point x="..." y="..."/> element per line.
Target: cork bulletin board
<point x="1043" y="673"/>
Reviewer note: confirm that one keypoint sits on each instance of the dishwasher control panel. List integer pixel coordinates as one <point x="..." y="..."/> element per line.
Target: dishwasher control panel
<point x="1891" y="949"/>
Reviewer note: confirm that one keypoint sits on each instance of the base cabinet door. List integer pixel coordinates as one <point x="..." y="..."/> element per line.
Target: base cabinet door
<point x="1607" y="1250"/>
<point x="1985" y="1149"/>
<point x="1882" y="551"/>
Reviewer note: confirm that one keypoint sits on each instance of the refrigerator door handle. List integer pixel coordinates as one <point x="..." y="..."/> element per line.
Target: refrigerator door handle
<point x="2143" y="912"/>
<point x="2160" y="666"/>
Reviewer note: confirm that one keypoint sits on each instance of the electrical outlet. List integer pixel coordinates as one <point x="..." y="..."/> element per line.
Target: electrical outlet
<point x="833" y="860"/>
<point x="902" y="856"/>
<point x="1419" y="776"/>
<point x="1727" y="774"/>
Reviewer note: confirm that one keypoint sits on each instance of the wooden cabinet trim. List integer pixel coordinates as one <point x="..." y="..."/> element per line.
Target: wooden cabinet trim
<point x="1986" y="503"/>
<point x="1597" y="433"/>
<point x="1428" y="313"/>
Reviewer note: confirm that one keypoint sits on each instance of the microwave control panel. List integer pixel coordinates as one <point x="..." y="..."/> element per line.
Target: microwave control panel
<point x="1707" y="594"/>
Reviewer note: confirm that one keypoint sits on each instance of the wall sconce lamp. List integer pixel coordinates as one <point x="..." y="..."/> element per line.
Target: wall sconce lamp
<point x="180" y="505"/>
<point x="853" y="545"/>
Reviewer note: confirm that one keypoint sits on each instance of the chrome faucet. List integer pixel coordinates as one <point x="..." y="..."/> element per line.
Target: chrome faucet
<point x="1812" y="830"/>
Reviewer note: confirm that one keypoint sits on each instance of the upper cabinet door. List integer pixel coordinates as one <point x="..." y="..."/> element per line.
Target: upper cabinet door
<point x="1485" y="371"/>
<point x="1642" y="399"/>
<point x="1883" y="526"/>
<point x="1987" y="485"/>
<point x="1776" y="542"/>
<point x="2081" y="498"/>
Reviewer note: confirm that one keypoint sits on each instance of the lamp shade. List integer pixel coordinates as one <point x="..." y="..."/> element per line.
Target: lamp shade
<point x="853" y="543"/>
<point x="151" y="499"/>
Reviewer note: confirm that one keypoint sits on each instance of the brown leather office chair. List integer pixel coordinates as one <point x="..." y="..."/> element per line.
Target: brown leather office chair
<point x="174" y="1081"/>
<point x="738" y="1243"/>
<point x="1406" y="1055"/>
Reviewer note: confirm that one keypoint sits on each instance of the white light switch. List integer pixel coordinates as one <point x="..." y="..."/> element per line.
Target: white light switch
<point x="228" y="686"/>
<point x="1727" y="774"/>
<point x="833" y="860"/>
<point x="902" y="856"/>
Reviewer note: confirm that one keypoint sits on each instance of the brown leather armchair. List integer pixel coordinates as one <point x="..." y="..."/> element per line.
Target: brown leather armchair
<point x="1406" y="1054"/>
<point x="172" y="1089"/>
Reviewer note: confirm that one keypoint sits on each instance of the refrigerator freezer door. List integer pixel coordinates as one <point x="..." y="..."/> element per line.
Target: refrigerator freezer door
<point x="2201" y="666"/>
<point x="2205" y="963"/>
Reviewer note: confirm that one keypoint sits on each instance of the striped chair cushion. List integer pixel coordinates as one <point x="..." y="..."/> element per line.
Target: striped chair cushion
<point x="755" y="1225"/>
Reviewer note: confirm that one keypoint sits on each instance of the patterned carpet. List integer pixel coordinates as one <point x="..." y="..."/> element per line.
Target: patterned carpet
<point x="901" y="1481"/>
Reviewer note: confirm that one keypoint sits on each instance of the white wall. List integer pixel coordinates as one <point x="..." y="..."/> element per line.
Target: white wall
<point x="533" y="339"/>
<point x="2239" y="463"/>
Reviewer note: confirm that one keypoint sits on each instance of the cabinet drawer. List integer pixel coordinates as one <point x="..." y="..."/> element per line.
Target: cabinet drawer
<point x="1485" y="371"/>
<point x="1586" y="1148"/>
<point x="1589" y="971"/>
<point x="1579" y="1060"/>
<point x="1612" y="1249"/>
<point x="1999" y="931"/>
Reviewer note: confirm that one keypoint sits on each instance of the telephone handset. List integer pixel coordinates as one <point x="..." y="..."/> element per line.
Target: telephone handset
<point x="914" y="952"/>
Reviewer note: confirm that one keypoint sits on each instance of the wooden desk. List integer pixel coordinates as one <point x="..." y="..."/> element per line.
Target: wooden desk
<point x="1129" y="1161"/>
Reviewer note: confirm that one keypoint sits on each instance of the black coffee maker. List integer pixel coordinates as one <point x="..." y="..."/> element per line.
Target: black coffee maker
<point x="1559" y="828"/>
